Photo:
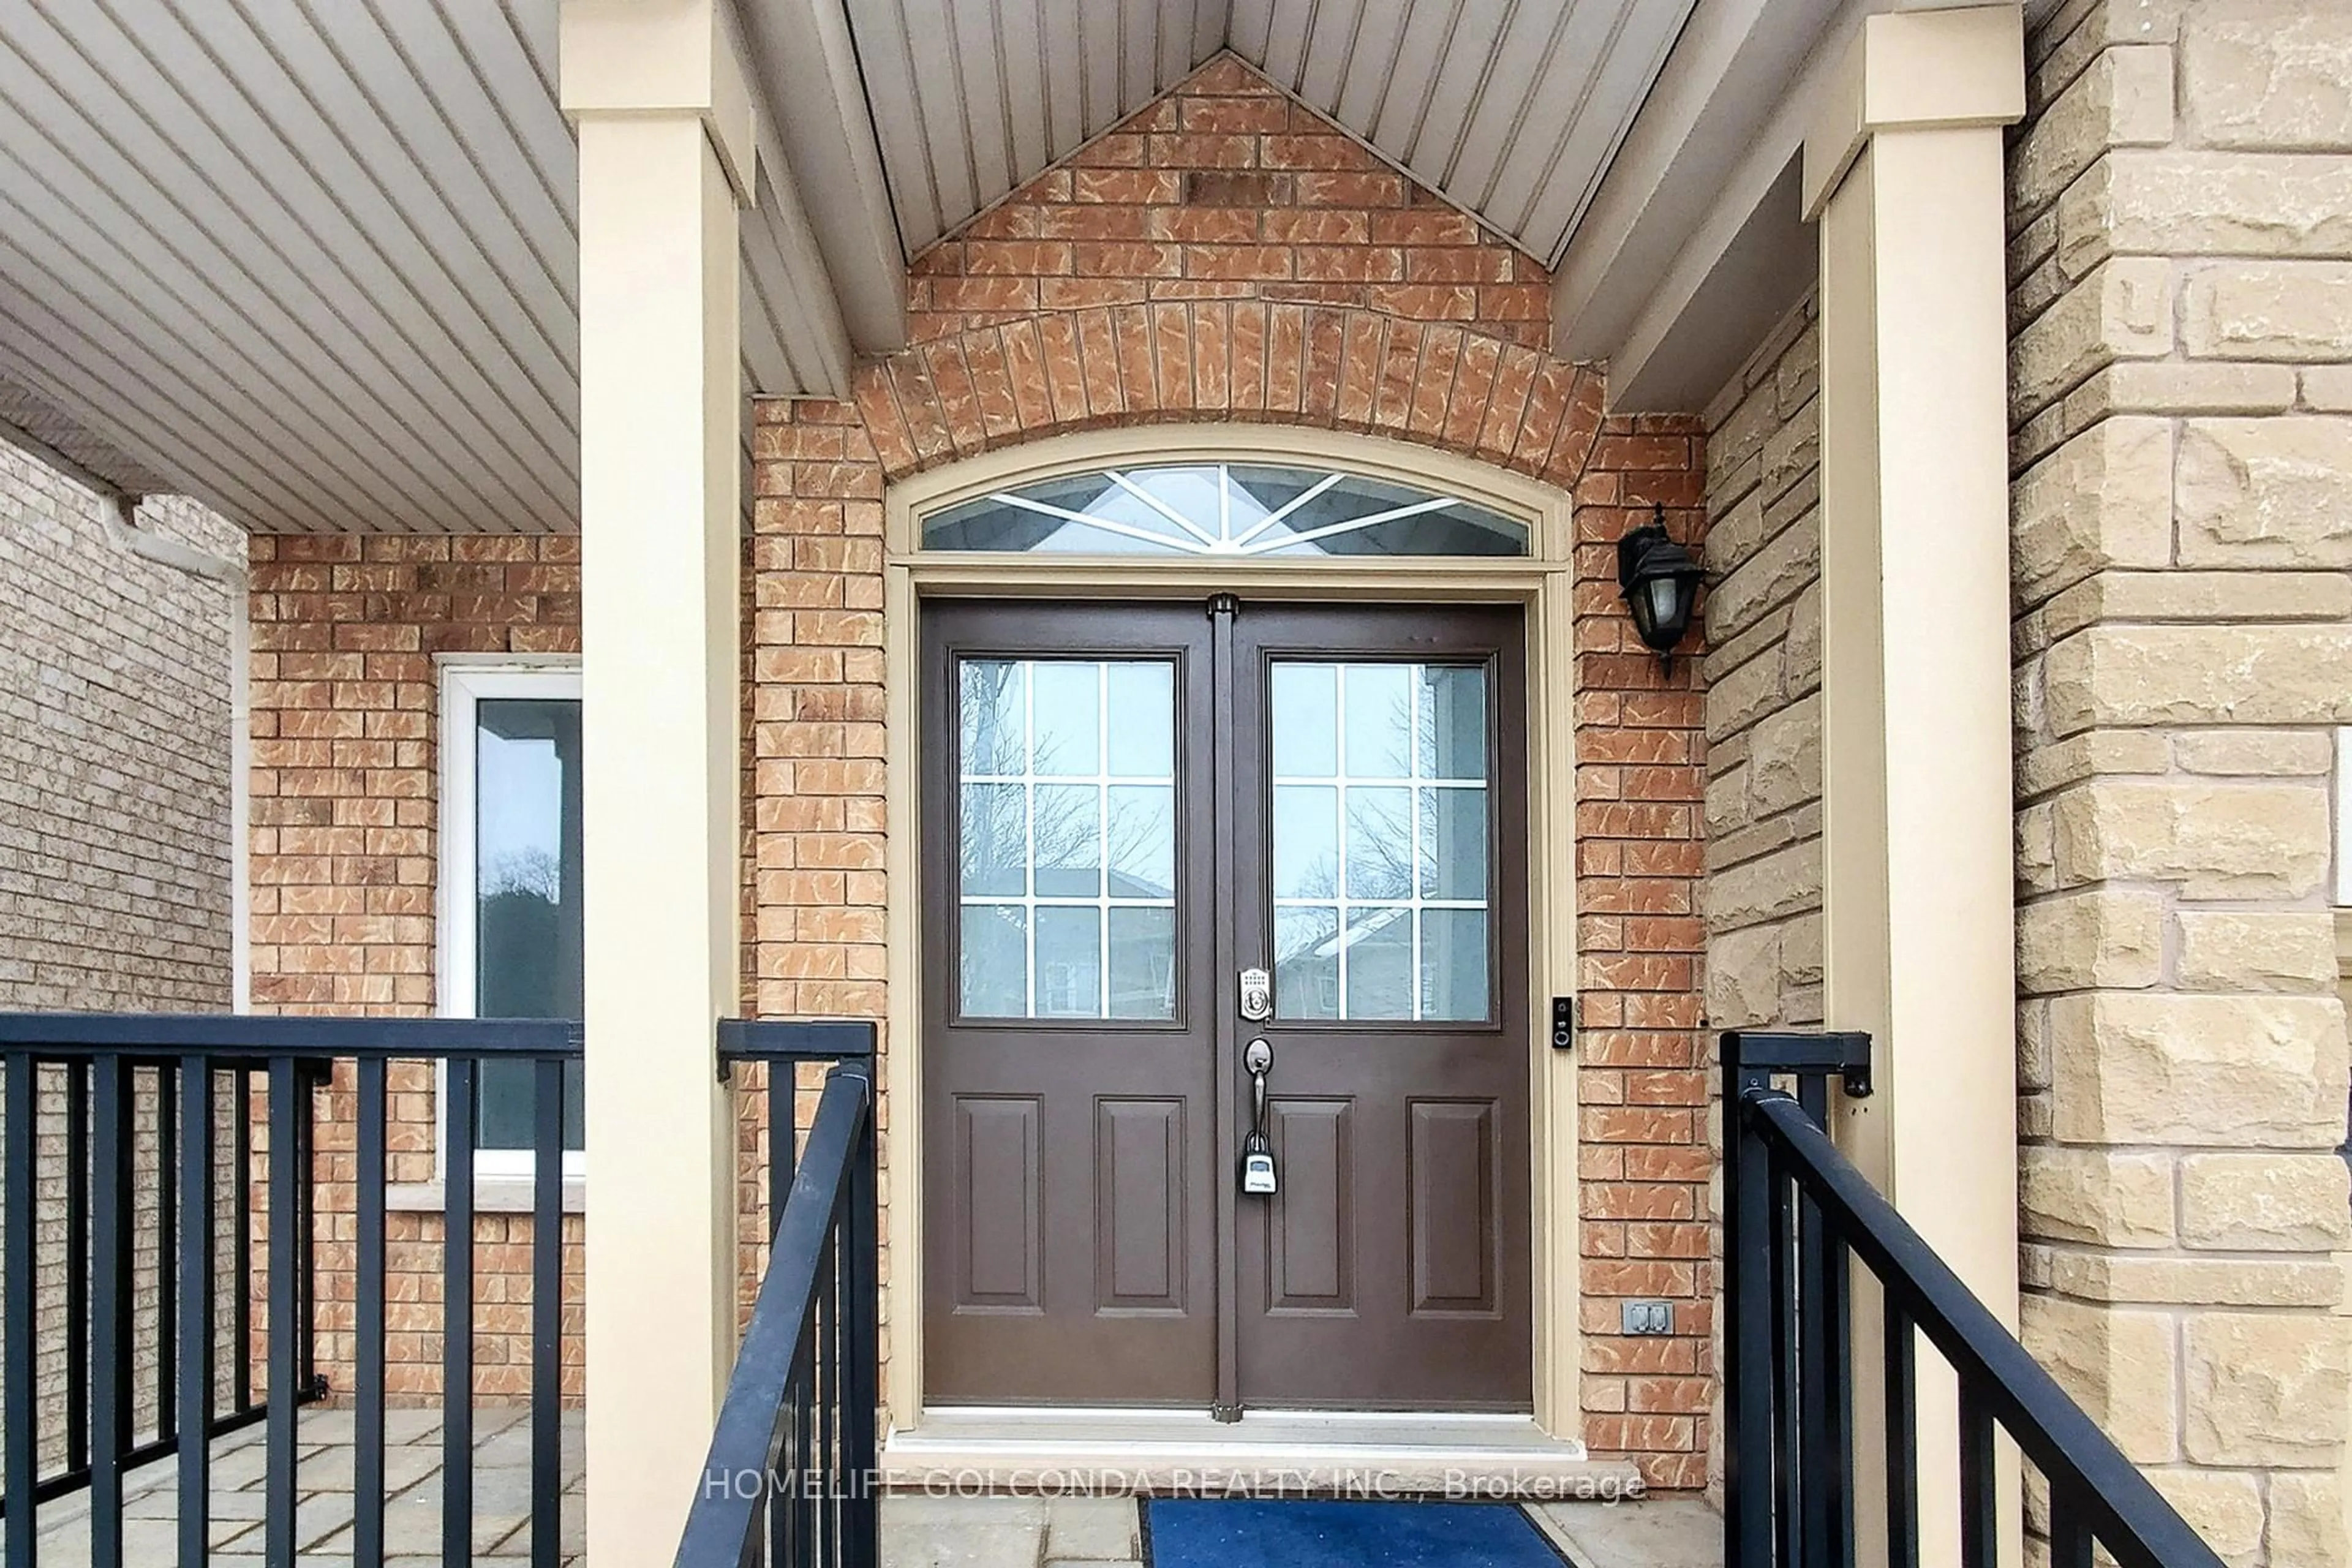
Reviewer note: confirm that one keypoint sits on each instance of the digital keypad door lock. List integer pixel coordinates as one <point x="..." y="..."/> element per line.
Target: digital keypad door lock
<point x="1257" y="996"/>
<point x="1258" y="1178"/>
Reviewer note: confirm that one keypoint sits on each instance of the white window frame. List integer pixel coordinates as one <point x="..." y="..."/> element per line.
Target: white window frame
<point x="466" y="681"/>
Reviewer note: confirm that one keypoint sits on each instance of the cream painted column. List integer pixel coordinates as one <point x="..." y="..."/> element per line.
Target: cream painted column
<point x="1902" y="171"/>
<point x="658" y="91"/>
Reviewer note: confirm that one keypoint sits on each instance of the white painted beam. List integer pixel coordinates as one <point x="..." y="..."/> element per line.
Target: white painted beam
<point x="1717" y="302"/>
<point x="1714" y="121"/>
<point x="795" y="337"/>
<point x="804" y="60"/>
<point x="1694" y="244"/>
<point x="1738" y="262"/>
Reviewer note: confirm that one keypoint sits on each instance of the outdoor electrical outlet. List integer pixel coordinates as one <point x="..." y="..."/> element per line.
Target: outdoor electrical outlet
<point x="1649" y="1317"/>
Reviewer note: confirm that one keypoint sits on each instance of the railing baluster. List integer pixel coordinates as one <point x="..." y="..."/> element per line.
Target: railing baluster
<point x="458" y="1318"/>
<point x="19" y="1442"/>
<point x="1979" y="1505"/>
<point x="547" y="1313"/>
<point x="309" y="1385"/>
<point x="1902" y="1438"/>
<point x="195" y="1303"/>
<point x="1835" y="1444"/>
<point x="1824" y="1345"/>
<point x="783" y="1084"/>
<point x="285" y="1241"/>
<point x="241" y="1201"/>
<point x="863" y="1246"/>
<point x="1788" y="1426"/>
<point x="367" y="1411"/>
<point x="828" y="1365"/>
<point x="2070" y="1529"/>
<point x="111" y="1359"/>
<point x="77" y="1265"/>
<point x="1814" y="1434"/>
<point x="167" y="1252"/>
<point x="1748" y="1338"/>
<point x="805" y="1454"/>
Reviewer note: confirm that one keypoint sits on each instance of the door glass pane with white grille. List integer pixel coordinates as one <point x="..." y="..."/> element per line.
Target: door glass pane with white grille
<point x="1066" y="839"/>
<point x="1381" y="850"/>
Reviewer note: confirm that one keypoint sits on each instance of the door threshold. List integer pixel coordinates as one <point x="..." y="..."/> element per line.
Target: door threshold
<point x="1062" y="1450"/>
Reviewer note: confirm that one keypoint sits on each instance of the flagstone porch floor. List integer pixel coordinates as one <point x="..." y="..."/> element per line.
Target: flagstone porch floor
<point x="918" y="1532"/>
<point x="412" y="1515"/>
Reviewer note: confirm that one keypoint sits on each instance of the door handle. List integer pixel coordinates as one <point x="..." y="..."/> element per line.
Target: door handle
<point x="1258" y="1179"/>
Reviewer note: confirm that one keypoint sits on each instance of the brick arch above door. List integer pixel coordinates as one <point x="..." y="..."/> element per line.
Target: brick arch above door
<point x="1330" y="367"/>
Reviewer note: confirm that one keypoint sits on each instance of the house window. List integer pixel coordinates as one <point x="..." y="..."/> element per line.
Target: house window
<point x="510" y="881"/>
<point x="1241" y="510"/>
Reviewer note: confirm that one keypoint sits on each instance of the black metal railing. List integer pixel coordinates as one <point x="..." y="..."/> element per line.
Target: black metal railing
<point x="113" y="1065"/>
<point x="82" y="1230"/>
<point x="1798" y="1218"/>
<point x="792" y="1466"/>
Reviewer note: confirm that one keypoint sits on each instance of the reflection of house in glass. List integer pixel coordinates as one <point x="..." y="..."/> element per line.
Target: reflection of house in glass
<point x="1380" y="963"/>
<point x="1067" y="838"/>
<point x="1143" y="951"/>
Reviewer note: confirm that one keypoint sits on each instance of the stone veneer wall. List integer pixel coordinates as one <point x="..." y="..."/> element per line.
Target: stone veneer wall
<point x="1227" y="255"/>
<point x="1763" y="686"/>
<point x="1763" y="678"/>
<point x="114" y="814"/>
<point x="2182" y="295"/>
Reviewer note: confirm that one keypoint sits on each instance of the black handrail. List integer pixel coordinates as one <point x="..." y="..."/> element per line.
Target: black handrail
<point x="186" y="1062"/>
<point x="1797" y="1214"/>
<point x="169" y="1036"/>
<point x="792" y="1462"/>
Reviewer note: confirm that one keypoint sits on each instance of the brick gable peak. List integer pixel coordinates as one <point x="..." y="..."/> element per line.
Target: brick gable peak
<point x="1226" y="186"/>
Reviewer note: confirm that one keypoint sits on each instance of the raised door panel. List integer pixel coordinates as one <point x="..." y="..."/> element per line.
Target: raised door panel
<point x="1139" y="1202"/>
<point x="999" y="1228"/>
<point x="1450" y="1153"/>
<point x="1310" y="1237"/>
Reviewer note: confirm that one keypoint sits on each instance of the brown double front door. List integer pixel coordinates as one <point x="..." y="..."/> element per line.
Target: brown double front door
<point x="1164" y="843"/>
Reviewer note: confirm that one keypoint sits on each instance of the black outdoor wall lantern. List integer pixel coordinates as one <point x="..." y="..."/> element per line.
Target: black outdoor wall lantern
<point x="1659" y="581"/>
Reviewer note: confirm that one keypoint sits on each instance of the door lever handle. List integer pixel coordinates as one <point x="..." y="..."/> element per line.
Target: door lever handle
<point x="1258" y="1178"/>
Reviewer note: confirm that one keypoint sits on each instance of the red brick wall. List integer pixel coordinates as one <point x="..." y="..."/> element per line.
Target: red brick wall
<point x="1222" y="255"/>
<point x="346" y="716"/>
<point x="1227" y="256"/>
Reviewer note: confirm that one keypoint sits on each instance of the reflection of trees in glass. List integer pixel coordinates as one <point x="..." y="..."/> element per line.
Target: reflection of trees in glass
<point x="531" y="872"/>
<point x="1052" y="832"/>
<point x="1402" y="840"/>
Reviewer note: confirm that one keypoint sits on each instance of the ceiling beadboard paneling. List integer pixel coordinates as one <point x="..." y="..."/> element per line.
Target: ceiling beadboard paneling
<point x="299" y="256"/>
<point x="1511" y="107"/>
<point x="318" y="260"/>
<point x="970" y="100"/>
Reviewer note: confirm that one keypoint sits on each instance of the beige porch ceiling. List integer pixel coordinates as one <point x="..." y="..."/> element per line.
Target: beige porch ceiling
<point x="1510" y="108"/>
<point x="316" y="262"/>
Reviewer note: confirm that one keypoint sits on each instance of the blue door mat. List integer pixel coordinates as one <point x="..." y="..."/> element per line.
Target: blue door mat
<point x="1241" y="1532"/>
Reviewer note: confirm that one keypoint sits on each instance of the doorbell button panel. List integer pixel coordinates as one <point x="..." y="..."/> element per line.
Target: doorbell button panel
<point x="1563" y="1023"/>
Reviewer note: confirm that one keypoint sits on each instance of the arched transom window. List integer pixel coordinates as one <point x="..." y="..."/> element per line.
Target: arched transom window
<point x="1244" y="510"/>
